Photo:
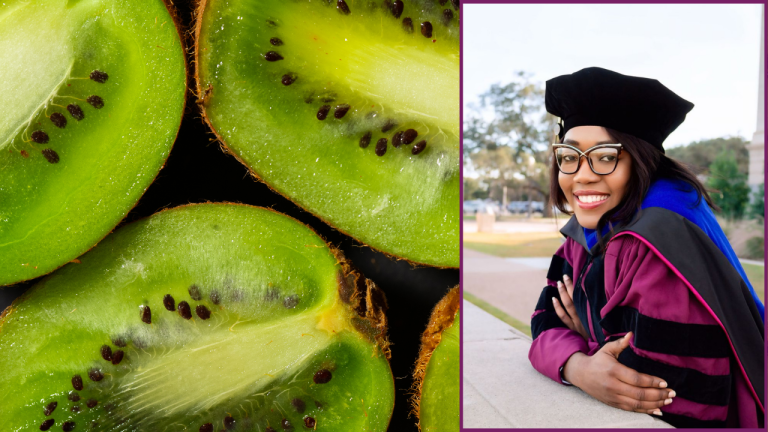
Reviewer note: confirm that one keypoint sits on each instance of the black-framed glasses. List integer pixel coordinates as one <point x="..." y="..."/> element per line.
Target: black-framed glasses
<point x="602" y="158"/>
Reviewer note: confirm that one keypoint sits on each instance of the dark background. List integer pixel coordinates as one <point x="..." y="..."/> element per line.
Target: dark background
<point x="198" y="171"/>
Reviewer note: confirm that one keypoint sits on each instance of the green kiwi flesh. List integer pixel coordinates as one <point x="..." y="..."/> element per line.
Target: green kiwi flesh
<point x="296" y="89"/>
<point x="96" y="96"/>
<point x="436" y="376"/>
<point x="279" y="332"/>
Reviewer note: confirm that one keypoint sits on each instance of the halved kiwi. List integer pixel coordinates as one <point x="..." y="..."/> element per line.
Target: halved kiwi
<point x="94" y="97"/>
<point x="208" y="317"/>
<point x="436" y="376"/>
<point x="349" y="108"/>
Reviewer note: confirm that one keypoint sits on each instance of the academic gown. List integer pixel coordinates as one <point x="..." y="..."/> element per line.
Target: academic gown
<point x="694" y="321"/>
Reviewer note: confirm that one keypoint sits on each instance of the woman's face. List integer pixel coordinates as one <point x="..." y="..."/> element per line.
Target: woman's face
<point x="591" y="195"/>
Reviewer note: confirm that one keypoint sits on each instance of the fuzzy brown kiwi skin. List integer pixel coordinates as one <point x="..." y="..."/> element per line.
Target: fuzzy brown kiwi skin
<point x="172" y="11"/>
<point x="442" y="317"/>
<point x="203" y="95"/>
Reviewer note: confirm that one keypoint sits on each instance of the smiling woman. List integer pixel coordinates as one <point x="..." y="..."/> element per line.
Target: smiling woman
<point x="647" y="308"/>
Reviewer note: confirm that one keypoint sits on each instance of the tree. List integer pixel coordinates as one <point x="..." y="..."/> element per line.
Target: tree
<point x="699" y="155"/>
<point x="731" y="192"/>
<point x="757" y="207"/>
<point x="507" y="137"/>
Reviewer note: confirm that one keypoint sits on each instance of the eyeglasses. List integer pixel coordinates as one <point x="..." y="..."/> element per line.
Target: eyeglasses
<point x="602" y="158"/>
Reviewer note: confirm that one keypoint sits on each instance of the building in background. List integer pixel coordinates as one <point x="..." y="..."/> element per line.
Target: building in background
<point x="757" y="147"/>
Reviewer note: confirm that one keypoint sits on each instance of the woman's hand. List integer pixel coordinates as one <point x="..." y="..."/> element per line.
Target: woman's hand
<point x="566" y="311"/>
<point x="605" y="379"/>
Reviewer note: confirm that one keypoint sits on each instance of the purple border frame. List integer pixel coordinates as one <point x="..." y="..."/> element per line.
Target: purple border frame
<point x="461" y="138"/>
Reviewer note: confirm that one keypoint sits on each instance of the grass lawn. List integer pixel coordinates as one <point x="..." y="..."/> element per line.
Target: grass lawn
<point x="756" y="276"/>
<point x="514" y="245"/>
<point x="482" y="304"/>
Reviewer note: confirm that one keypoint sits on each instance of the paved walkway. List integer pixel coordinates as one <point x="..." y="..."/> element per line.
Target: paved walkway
<point x="511" y="284"/>
<point x="502" y="390"/>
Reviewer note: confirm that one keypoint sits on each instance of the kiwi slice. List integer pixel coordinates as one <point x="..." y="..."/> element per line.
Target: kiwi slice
<point x="96" y="96"/>
<point x="436" y="376"/>
<point x="349" y="108"/>
<point x="208" y="317"/>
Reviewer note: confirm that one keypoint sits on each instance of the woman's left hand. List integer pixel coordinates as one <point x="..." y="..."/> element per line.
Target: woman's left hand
<point x="567" y="311"/>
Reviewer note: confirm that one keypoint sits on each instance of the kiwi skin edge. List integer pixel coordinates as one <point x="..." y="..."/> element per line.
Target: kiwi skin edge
<point x="203" y="95"/>
<point x="443" y="316"/>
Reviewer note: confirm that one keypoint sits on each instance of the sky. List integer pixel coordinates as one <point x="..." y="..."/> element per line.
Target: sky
<point x="708" y="54"/>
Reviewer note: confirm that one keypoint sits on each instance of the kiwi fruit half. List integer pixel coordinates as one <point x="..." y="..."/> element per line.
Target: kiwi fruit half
<point x="95" y="96"/>
<point x="349" y="108"/>
<point x="436" y="376"/>
<point x="202" y="318"/>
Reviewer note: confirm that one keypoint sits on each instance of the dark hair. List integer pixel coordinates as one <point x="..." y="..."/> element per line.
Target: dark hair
<point x="648" y="165"/>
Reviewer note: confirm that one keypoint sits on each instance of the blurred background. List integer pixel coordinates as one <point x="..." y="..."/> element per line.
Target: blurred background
<point x="711" y="55"/>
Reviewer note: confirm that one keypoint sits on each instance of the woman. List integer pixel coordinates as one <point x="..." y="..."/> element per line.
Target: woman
<point x="647" y="307"/>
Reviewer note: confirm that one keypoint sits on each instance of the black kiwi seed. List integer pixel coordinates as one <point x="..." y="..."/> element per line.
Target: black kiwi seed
<point x="184" y="310"/>
<point x="289" y="78"/>
<point x="194" y="292"/>
<point x="299" y="405"/>
<point x="99" y="76"/>
<point x="408" y="24"/>
<point x="47" y="424"/>
<point x="97" y="102"/>
<point x="271" y="23"/>
<point x="146" y="314"/>
<point x="120" y="342"/>
<point x="276" y="41"/>
<point x="397" y="139"/>
<point x="68" y="426"/>
<point x="91" y="403"/>
<point x="229" y="422"/>
<point x="388" y="126"/>
<point x="40" y="137"/>
<point x="447" y="16"/>
<point x="341" y="111"/>
<point x="75" y="408"/>
<point x="291" y="301"/>
<point x="396" y="8"/>
<point x="322" y="376"/>
<point x="272" y="56"/>
<point x="208" y="427"/>
<point x="215" y="297"/>
<point x="365" y="140"/>
<point x="77" y="382"/>
<point x="95" y="375"/>
<point x="117" y="357"/>
<point x="381" y="147"/>
<point x="419" y="147"/>
<point x="342" y="7"/>
<point x="443" y="2"/>
<point x="202" y="312"/>
<point x="409" y="136"/>
<point x="75" y="111"/>
<point x="455" y="4"/>
<point x="286" y="425"/>
<point x="426" y="29"/>
<point x="58" y="120"/>
<point x="51" y="156"/>
<point x="169" y="302"/>
<point x="50" y="408"/>
<point x="322" y="113"/>
<point x="106" y="352"/>
<point x="309" y="422"/>
<point x="73" y="396"/>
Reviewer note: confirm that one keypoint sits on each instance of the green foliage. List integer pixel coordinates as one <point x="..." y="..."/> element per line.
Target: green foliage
<point x="757" y="205"/>
<point x="731" y="192"/>
<point x="756" y="248"/>
<point x="474" y="189"/>
<point x="700" y="155"/>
